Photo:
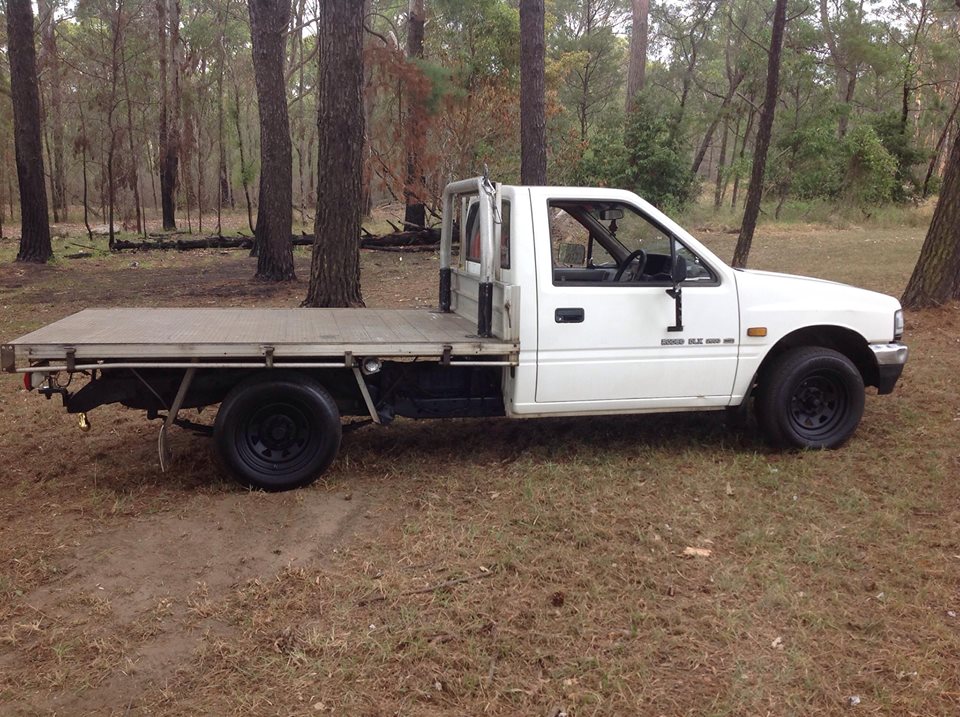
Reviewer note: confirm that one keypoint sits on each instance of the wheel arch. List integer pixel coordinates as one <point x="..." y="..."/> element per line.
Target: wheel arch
<point x="839" y="338"/>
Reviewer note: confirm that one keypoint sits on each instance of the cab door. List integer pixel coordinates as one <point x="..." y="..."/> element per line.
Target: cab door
<point x="609" y="342"/>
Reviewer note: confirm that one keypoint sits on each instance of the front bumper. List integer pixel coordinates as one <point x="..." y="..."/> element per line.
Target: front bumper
<point x="890" y="362"/>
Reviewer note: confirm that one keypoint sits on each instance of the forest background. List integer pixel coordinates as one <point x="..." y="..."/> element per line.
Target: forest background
<point x="866" y="114"/>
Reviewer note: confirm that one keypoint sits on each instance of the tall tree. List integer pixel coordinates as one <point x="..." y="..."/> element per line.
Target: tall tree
<point x="35" y="224"/>
<point x="936" y="277"/>
<point x="168" y="16"/>
<point x="639" y="39"/>
<point x="50" y="64"/>
<point x="844" y="54"/>
<point x="268" y="25"/>
<point x="335" y="267"/>
<point x="415" y="213"/>
<point x="764" y="129"/>
<point x="735" y="71"/>
<point x="533" y="112"/>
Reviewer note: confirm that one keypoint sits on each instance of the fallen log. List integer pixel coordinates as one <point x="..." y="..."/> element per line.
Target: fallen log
<point x="419" y="240"/>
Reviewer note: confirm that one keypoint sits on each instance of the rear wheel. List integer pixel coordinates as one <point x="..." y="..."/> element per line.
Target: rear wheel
<point x="811" y="397"/>
<point x="277" y="431"/>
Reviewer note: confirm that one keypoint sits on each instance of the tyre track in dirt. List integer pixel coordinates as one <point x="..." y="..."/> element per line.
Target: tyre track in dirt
<point x="143" y="593"/>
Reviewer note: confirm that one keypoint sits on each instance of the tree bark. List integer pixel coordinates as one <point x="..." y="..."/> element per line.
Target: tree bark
<point x="335" y="267"/>
<point x="533" y="117"/>
<point x="639" y="39"/>
<point x="936" y="277"/>
<point x="755" y="192"/>
<point x="25" y="95"/>
<point x="268" y="25"/>
<point x="415" y="134"/>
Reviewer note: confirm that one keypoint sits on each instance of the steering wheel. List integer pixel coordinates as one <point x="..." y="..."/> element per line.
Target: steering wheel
<point x="632" y="257"/>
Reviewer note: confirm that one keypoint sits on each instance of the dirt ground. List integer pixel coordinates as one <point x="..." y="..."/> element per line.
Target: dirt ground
<point x="539" y="569"/>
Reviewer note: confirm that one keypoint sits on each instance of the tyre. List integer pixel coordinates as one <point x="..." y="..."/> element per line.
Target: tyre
<point x="811" y="397"/>
<point x="277" y="431"/>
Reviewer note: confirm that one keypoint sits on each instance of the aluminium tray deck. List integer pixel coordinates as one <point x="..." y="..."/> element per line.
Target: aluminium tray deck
<point x="226" y="333"/>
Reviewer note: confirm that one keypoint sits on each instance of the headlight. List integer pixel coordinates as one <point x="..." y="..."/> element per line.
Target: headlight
<point x="898" y="325"/>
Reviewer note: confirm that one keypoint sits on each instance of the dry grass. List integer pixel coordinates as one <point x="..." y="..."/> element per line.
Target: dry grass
<point x="829" y="575"/>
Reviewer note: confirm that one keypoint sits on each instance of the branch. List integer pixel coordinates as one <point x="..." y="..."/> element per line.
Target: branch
<point x="383" y="38"/>
<point x="293" y="69"/>
<point x="748" y="101"/>
<point x="746" y="35"/>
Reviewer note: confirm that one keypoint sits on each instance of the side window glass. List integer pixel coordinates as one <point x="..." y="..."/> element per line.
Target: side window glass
<point x="596" y="241"/>
<point x="471" y="251"/>
<point x="568" y="240"/>
<point x="696" y="271"/>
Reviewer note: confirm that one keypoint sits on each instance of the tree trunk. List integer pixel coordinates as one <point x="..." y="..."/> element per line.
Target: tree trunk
<point x="939" y="148"/>
<point x="244" y="168"/>
<point x="751" y="115"/>
<point x="335" y="267"/>
<point x="755" y="192"/>
<point x="116" y="45"/>
<point x="50" y="62"/>
<point x="936" y="277"/>
<point x="268" y="26"/>
<point x="84" y="144"/>
<point x="25" y="95"/>
<point x="637" y="74"/>
<point x="721" y="114"/>
<point x="721" y="185"/>
<point x="4" y="167"/>
<point x="533" y="118"/>
<point x="169" y="109"/>
<point x="415" y="131"/>
<point x="134" y="166"/>
<point x="846" y="78"/>
<point x="223" y="179"/>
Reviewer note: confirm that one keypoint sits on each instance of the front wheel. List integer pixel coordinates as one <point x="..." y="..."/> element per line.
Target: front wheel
<point x="277" y="431"/>
<point x="811" y="397"/>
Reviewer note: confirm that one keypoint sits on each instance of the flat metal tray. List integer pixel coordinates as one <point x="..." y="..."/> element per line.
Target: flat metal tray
<point x="219" y="333"/>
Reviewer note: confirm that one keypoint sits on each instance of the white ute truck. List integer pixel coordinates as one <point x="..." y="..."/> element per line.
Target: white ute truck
<point x="562" y="301"/>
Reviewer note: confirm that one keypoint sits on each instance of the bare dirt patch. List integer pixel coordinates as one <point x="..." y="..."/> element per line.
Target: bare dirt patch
<point x="144" y="587"/>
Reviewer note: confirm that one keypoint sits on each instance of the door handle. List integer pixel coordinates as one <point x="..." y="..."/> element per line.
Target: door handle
<point x="568" y="316"/>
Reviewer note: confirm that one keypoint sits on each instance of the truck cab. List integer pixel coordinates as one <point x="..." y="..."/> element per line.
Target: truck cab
<point x="618" y="309"/>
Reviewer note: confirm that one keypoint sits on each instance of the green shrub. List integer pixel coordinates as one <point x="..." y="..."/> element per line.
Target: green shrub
<point x="870" y="176"/>
<point x="648" y="158"/>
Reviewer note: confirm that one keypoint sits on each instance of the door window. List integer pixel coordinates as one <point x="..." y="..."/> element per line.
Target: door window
<point x="606" y="242"/>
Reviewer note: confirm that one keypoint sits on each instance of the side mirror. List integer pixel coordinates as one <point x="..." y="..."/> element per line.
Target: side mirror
<point x="571" y="254"/>
<point x="678" y="272"/>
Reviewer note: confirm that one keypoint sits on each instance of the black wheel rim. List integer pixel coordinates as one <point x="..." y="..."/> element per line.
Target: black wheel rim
<point x="278" y="439"/>
<point x="818" y="405"/>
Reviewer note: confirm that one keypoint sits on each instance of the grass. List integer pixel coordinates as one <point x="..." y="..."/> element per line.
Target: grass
<point x="829" y="575"/>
